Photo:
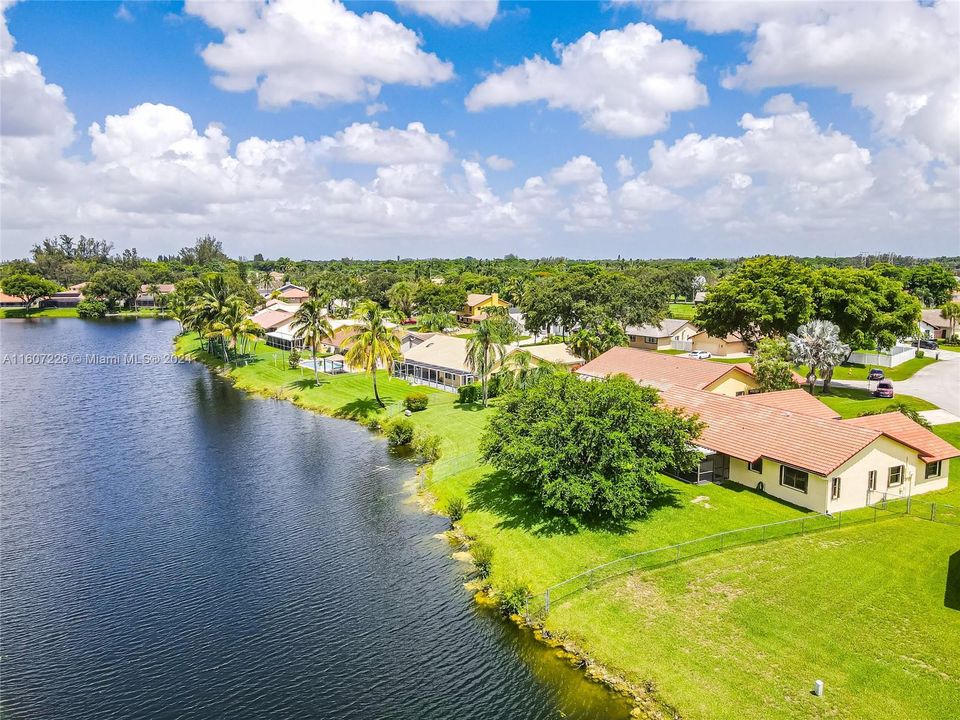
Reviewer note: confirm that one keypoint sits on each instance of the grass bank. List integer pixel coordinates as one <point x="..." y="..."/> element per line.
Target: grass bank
<point x="33" y="313"/>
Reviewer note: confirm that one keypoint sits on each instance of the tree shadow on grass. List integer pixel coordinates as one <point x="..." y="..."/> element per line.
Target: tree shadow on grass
<point x="951" y="596"/>
<point x="359" y="409"/>
<point x="518" y="508"/>
<point x="305" y="384"/>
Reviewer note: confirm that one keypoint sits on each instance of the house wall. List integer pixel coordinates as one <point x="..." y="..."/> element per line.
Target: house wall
<point x="718" y="346"/>
<point x="882" y="454"/>
<point x="816" y="497"/>
<point x="492" y="301"/>
<point x="637" y="341"/>
<point x="732" y="383"/>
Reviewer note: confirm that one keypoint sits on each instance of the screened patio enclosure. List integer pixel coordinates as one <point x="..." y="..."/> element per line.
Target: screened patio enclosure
<point x="441" y="378"/>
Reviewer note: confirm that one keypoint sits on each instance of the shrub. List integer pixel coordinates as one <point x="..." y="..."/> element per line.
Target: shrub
<point x="455" y="509"/>
<point x="513" y="598"/>
<point x="919" y="354"/>
<point x="427" y="446"/>
<point x="294" y="359"/>
<point x="91" y="309"/>
<point x="416" y="401"/>
<point x="468" y="393"/>
<point x="400" y="432"/>
<point x="482" y="557"/>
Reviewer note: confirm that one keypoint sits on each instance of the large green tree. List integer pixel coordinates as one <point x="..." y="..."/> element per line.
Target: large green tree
<point x="115" y="287"/>
<point x="932" y="283"/>
<point x="313" y="328"/>
<point x="589" y="448"/>
<point x="764" y="296"/>
<point x="772" y="366"/>
<point x="871" y="311"/>
<point x="29" y="287"/>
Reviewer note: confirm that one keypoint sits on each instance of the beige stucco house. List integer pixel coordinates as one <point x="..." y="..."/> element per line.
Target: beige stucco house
<point x="660" y="337"/>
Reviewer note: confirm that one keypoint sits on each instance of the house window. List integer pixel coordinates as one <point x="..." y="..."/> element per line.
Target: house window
<point x="796" y="479"/>
<point x="741" y="392"/>
<point x="932" y="471"/>
<point x="835" y="489"/>
<point x="896" y="476"/>
<point x="756" y="466"/>
<point x="872" y="480"/>
<point x="650" y="340"/>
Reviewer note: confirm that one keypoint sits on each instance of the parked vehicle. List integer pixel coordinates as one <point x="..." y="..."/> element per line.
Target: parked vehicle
<point x="700" y="355"/>
<point x="884" y="389"/>
<point x="875" y="374"/>
<point x="929" y="345"/>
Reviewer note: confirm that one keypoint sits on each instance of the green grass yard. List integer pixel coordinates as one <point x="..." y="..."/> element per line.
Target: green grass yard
<point x="859" y="372"/>
<point x="681" y="311"/>
<point x="34" y="313"/>
<point x="743" y="634"/>
<point x="852" y="402"/>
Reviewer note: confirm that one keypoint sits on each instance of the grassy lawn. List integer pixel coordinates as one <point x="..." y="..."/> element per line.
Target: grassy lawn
<point x="852" y="402"/>
<point x="32" y="313"/>
<point x="681" y="311"/>
<point x="859" y="372"/>
<point x="744" y="633"/>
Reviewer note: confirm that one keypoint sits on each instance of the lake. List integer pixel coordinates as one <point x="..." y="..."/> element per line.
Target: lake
<point x="174" y="548"/>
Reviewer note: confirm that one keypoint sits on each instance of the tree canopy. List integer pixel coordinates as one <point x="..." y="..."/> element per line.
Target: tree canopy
<point x="29" y="287"/>
<point x="589" y="448"/>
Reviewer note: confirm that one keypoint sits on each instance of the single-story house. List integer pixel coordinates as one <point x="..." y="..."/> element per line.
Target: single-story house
<point x="146" y="299"/>
<point x="11" y="301"/>
<point x="790" y="445"/>
<point x="291" y="293"/>
<point x="439" y="361"/>
<point x="729" y="345"/>
<point x="933" y="324"/>
<point x="662" y="371"/>
<point x="699" y="297"/>
<point x="556" y="354"/>
<point x="660" y="337"/>
<point x="412" y="338"/>
<point x="477" y="306"/>
<point x="272" y="317"/>
<point x="64" y="299"/>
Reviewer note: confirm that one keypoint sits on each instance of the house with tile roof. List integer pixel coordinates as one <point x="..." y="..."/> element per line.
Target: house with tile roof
<point x="661" y="370"/>
<point x="799" y="451"/>
<point x="439" y="361"/>
<point x="478" y="305"/>
<point x="554" y="353"/>
<point x="662" y="336"/>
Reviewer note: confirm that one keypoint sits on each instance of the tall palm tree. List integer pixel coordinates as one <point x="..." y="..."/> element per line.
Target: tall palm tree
<point x="817" y="345"/>
<point x="177" y="308"/>
<point x="951" y="311"/>
<point x="486" y="349"/>
<point x="401" y="296"/>
<point x="435" y="322"/>
<point x="313" y="328"/>
<point x="373" y="343"/>
<point x="585" y="343"/>
<point x="234" y="326"/>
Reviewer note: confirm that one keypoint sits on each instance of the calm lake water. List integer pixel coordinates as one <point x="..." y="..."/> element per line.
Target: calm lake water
<point x="172" y="548"/>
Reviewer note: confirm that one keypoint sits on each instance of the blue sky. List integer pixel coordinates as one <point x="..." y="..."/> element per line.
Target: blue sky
<point x="109" y="58"/>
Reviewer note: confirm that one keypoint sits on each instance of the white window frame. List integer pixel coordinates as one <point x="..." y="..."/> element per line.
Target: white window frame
<point x="926" y="471"/>
<point x="835" y="485"/>
<point x="756" y="467"/>
<point x="900" y="473"/>
<point x="806" y="484"/>
<point x="872" y="480"/>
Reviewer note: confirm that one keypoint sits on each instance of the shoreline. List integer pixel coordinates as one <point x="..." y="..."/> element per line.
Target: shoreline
<point x="645" y="703"/>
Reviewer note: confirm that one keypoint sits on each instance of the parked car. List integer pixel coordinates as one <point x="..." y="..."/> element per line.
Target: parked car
<point x="875" y="374"/>
<point x="884" y="389"/>
<point x="700" y="355"/>
<point x="929" y="345"/>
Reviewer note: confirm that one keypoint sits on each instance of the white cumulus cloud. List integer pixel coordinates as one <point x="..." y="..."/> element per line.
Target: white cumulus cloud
<point x="454" y="12"/>
<point x="624" y="83"/>
<point x="313" y="51"/>
<point x="495" y="162"/>
<point x="369" y="144"/>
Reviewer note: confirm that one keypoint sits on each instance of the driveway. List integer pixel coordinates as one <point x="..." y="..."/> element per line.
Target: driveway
<point x="938" y="383"/>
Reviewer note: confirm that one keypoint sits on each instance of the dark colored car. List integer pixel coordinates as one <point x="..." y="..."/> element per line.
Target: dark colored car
<point x="929" y="345"/>
<point x="875" y="374"/>
<point x="884" y="389"/>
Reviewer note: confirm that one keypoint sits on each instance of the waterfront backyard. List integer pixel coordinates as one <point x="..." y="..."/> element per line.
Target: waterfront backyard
<point x="678" y="627"/>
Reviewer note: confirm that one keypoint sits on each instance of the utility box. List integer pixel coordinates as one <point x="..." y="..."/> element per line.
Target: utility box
<point x="818" y="688"/>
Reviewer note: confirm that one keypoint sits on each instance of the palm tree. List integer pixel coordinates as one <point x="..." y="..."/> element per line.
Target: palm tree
<point x="486" y="349"/>
<point x="817" y="345"/>
<point x="401" y="296"/>
<point x="435" y="322"/>
<point x="235" y="326"/>
<point x="586" y="344"/>
<point x="373" y="343"/>
<point x="154" y="291"/>
<point x="951" y="311"/>
<point x="177" y="308"/>
<point x="514" y="290"/>
<point x="313" y="328"/>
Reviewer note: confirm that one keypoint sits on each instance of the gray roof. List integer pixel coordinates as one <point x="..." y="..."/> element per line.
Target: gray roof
<point x="665" y="329"/>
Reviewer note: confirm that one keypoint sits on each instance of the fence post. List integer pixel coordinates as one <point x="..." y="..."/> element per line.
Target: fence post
<point x="839" y="518"/>
<point x="763" y="533"/>
<point x="802" y="523"/>
<point x="933" y="511"/>
<point x="721" y="540"/>
<point x="678" y="554"/>
<point x="874" y="513"/>
<point x="590" y="578"/>
<point x="546" y="602"/>
<point x="909" y="502"/>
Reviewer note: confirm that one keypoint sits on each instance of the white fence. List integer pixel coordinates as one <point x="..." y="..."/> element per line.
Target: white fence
<point x="897" y="355"/>
<point x="686" y="345"/>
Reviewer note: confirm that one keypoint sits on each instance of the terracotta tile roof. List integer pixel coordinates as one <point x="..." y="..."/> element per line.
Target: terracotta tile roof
<point x="270" y="318"/>
<point x="10" y="298"/>
<point x="899" y="427"/>
<point x="295" y="292"/>
<point x="796" y="401"/>
<point x="665" y="329"/>
<point x="660" y="369"/>
<point x="810" y="443"/>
